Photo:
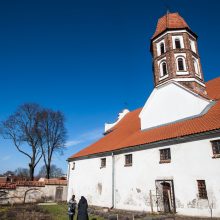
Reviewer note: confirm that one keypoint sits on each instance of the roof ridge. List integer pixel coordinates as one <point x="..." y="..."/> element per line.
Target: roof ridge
<point x="128" y="131"/>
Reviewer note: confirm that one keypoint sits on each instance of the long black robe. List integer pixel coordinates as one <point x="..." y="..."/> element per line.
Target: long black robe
<point x="82" y="209"/>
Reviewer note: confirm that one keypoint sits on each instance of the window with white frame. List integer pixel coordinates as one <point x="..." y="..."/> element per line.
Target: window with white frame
<point x="163" y="69"/>
<point x="162" y="48"/>
<point x="177" y="43"/>
<point x="196" y="66"/>
<point x="181" y="66"/>
<point x="192" y="46"/>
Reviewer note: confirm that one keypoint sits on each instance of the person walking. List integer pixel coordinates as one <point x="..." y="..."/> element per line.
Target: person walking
<point x="72" y="207"/>
<point x="82" y="209"/>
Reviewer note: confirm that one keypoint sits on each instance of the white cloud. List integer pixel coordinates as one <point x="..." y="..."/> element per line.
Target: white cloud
<point x="85" y="137"/>
<point x="7" y="157"/>
<point x="72" y="143"/>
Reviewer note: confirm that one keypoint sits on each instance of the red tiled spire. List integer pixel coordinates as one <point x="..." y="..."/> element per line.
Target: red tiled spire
<point x="170" y="21"/>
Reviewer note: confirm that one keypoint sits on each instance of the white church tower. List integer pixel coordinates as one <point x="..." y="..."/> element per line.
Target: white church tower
<point x="179" y="91"/>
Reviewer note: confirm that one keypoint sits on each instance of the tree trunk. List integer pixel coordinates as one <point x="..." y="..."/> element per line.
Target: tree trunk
<point x="31" y="171"/>
<point x="48" y="171"/>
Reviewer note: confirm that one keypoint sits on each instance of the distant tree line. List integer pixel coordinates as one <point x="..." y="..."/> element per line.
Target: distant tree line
<point x="23" y="173"/>
<point x="37" y="132"/>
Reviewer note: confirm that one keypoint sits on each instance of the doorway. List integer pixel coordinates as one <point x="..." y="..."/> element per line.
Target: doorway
<point x="59" y="194"/>
<point x="165" y="196"/>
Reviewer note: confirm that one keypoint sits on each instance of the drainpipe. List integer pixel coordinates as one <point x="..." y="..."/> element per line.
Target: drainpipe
<point x="113" y="180"/>
<point x="68" y="179"/>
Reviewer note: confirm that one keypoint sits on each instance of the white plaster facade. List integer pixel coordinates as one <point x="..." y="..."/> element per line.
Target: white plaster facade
<point x="190" y="162"/>
<point x="169" y="103"/>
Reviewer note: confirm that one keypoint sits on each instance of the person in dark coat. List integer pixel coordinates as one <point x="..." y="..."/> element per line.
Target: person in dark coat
<point x="72" y="207"/>
<point x="82" y="209"/>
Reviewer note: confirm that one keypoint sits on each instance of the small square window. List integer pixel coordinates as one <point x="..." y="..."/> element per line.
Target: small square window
<point x="165" y="156"/>
<point x="216" y="148"/>
<point x="103" y="162"/>
<point x="73" y="166"/>
<point x="202" y="189"/>
<point x="128" y="160"/>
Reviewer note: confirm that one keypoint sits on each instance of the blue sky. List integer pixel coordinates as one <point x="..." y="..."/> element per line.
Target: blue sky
<point x="87" y="59"/>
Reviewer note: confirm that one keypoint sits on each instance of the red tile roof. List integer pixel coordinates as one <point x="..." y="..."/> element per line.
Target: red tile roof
<point x="55" y="182"/>
<point x="170" y="21"/>
<point x="127" y="132"/>
<point x="7" y="186"/>
<point x="3" y="179"/>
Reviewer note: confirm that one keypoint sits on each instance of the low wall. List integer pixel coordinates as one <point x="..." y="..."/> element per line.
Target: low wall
<point x="32" y="191"/>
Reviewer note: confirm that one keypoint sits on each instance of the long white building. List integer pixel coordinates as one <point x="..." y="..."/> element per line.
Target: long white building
<point x="164" y="157"/>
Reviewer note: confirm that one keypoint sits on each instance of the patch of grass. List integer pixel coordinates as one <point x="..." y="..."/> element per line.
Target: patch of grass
<point x="3" y="212"/>
<point x="59" y="212"/>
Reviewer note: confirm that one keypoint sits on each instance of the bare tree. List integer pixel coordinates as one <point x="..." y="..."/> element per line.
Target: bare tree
<point x="54" y="171"/>
<point x="22" y="173"/>
<point x="21" y="128"/>
<point x="52" y="135"/>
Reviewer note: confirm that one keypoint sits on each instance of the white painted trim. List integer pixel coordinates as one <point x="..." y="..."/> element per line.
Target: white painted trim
<point x="120" y="116"/>
<point x="180" y="38"/>
<point x="170" y="32"/>
<point x="198" y="67"/>
<point x="184" y="80"/>
<point x="192" y="45"/>
<point x="182" y="73"/>
<point x="158" y="47"/>
<point x="160" y="62"/>
<point x="163" y="77"/>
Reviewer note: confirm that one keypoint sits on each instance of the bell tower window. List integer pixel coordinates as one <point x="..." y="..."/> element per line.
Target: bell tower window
<point x="180" y="64"/>
<point x="177" y="43"/>
<point x="196" y="67"/>
<point x="192" y="46"/>
<point x="164" y="69"/>
<point x="162" y="49"/>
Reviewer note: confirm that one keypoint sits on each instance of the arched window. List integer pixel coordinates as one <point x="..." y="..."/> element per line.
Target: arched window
<point x="162" y="48"/>
<point x="180" y="64"/>
<point x="196" y="67"/>
<point x="164" y="69"/>
<point x="177" y="43"/>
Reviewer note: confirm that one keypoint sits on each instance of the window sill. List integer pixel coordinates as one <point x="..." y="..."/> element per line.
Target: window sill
<point x="198" y="75"/>
<point x="182" y="72"/>
<point x="128" y="165"/>
<point x="215" y="156"/>
<point x="165" y="161"/>
<point x="163" y="77"/>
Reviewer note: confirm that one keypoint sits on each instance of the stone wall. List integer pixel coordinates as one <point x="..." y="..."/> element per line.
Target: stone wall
<point x="32" y="192"/>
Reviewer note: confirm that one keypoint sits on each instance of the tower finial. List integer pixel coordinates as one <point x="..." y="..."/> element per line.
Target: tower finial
<point x="167" y="11"/>
<point x="166" y="5"/>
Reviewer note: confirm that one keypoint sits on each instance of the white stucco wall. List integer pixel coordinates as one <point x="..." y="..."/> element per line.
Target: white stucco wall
<point x="170" y="103"/>
<point x="190" y="162"/>
<point x="91" y="181"/>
